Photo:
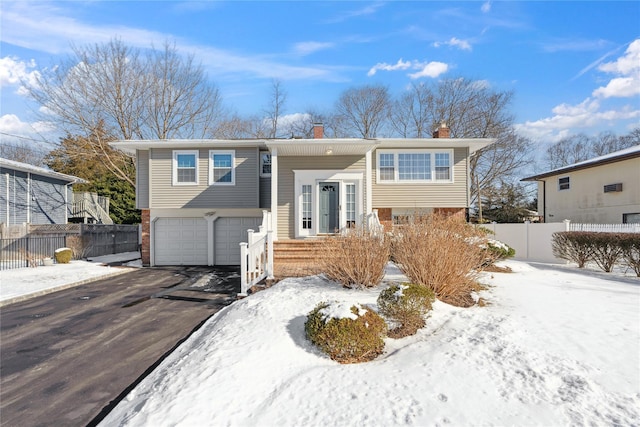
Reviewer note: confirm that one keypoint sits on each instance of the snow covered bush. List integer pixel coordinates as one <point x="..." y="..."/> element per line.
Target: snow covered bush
<point x="607" y="249"/>
<point x="406" y="305"/>
<point x="356" y="259"/>
<point x="434" y="251"/>
<point x="63" y="255"/>
<point x="347" y="333"/>
<point x="630" y="243"/>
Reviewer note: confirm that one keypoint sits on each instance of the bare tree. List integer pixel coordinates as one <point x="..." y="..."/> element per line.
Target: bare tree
<point x="362" y="111"/>
<point x="276" y="107"/>
<point x="111" y="91"/>
<point x="23" y="152"/>
<point x="412" y="113"/>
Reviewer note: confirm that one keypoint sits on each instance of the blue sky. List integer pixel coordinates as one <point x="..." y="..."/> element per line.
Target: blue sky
<point x="573" y="66"/>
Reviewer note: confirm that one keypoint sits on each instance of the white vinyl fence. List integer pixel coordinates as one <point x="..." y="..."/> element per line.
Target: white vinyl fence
<point x="532" y="241"/>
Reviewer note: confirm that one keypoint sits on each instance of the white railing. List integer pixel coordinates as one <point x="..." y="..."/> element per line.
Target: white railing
<point x="373" y="223"/>
<point x="91" y="205"/>
<point x="607" y="228"/>
<point x="256" y="255"/>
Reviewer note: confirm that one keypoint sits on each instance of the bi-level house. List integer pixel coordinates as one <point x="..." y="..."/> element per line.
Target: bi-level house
<point x="199" y="197"/>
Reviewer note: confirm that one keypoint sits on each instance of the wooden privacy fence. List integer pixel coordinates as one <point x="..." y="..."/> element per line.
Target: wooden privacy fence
<point x="86" y="240"/>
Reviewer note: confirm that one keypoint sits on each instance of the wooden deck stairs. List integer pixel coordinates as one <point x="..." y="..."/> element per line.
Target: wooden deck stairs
<point x="297" y="258"/>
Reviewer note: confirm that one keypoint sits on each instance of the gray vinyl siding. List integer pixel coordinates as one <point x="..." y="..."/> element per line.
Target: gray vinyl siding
<point x="142" y="179"/>
<point x="32" y="198"/>
<point x="244" y="194"/>
<point x="286" y="190"/>
<point x="265" y="193"/>
<point x="449" y="195"/>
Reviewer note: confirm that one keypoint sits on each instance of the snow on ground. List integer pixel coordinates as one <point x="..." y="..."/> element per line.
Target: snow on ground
<point x="20" y="283"/>
<point x="554" y="347"/>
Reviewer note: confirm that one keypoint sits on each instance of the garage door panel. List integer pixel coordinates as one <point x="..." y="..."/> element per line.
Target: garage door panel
<point x="229" y="233"/>
<point x="180" y="241"/>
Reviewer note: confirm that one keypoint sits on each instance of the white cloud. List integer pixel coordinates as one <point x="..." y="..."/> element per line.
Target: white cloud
<point x="367" y="10"/>
<point x="400" y="65"/>
<point x="627" y="68"/>
<point x="52" y="29"/>
<point x="13" y="125"/>
<point x="486" y="7"/>
<point x="567" y="118"/>
<point x="13" y="72"/>
<point x="455" y="42"/>
<point x="306" y="48"/>
<point x="432" y="69"/>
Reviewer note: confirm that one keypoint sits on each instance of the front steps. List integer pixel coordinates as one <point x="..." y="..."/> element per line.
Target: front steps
<point x="297" y="258"/>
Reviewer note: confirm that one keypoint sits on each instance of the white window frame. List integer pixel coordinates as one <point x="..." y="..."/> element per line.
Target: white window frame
<point x="174" y="168"/>
<point x="232" y="153"/>
<point x="432" y="164"/>
<point x="262" y="173"/>
<point x="314" y="178"/>
<point x="568" y="183"/>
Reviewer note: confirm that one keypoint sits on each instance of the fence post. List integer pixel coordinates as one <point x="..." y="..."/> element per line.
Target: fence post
<point x="270" y="254"/>
<point x="250" y="237"/>
<point x="567" y="223"/>
<point x="243" y="269"/>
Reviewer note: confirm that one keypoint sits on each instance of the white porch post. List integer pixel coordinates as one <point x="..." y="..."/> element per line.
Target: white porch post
<point x="243" y="269"/>
<point x="369" y="185"/>
<point x="211" y="219"/>
<point x="274" y="193"/>
<point x="270" y="254"/>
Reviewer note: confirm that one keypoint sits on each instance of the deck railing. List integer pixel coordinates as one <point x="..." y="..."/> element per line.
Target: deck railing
<point x="256" y="255"/>
<point x="91" y="205"/>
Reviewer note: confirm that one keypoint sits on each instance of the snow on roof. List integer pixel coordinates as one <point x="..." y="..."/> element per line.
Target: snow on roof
<point x="25" y="167"/>
<point x="616" y="156"/>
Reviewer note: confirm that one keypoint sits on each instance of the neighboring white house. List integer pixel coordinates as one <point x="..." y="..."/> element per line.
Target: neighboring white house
<point x="602" y="190"/>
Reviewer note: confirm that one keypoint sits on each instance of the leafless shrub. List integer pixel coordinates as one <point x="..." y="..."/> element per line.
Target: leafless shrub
<point x="80" y="246"/>
<point x="441" y="253"/>
<point x="356" y="259"/>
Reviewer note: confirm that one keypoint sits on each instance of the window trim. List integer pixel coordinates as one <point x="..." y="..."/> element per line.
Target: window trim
<point x="262" y="174"/>
<point x="432" y="164"/>
<point x="174" y="168"/>
<point x="232" y="153"/>
<point x="568" y="183"/>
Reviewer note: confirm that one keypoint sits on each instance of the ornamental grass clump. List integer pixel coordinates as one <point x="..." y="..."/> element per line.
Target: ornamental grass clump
<point x="347" y="333"/>
<point x="435" y="251"/>
<point x="356" y="259"/>
<point x="406" y="305"/>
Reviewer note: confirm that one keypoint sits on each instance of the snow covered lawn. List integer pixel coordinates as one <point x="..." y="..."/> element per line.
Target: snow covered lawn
<point x="554" y="347"/>
<point x="22" y="283"/>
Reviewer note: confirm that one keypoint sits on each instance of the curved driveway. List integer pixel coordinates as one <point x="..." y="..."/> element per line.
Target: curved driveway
<point x="66" y="358"/>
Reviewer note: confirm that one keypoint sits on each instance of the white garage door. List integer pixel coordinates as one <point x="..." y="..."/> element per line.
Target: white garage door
<point x="229" y="232"/>
<point x="180" y="241"/>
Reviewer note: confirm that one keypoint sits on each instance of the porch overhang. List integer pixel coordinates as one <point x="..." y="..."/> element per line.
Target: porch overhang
<point x="322" y="147"/>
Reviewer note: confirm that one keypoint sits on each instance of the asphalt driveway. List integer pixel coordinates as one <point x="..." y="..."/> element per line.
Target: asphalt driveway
<point x="66" y="358"/>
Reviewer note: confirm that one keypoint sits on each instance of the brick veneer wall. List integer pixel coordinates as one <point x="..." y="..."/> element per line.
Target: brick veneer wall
<point x="386" y="219"/>
<point x="145" y="249"/>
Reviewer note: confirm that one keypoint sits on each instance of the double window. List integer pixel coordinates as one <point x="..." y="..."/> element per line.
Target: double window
<point x="564" y="183"/>
<point x="414" y="166"/>
<point x="221" y="167"/>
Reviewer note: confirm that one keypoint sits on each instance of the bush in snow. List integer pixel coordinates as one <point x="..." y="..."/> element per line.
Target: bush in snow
<point x="406" y="305"/>
<point x="572" y="246"/>
<point x="347" y="333"/>
<point x="495" y="251"/>
<point x="630" y="244"/>
<point x="63" y="255"/>
<point x="434" y="251"/>
<point x="357" y="258"/>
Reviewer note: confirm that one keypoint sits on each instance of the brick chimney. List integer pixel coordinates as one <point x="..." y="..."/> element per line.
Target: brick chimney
<point x="318" y="131"/>
<point x="442" y="132"/>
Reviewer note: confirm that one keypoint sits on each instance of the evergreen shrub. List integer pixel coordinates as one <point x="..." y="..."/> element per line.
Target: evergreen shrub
<point x="405" y="304"/>
<point x="347" y="333"/>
